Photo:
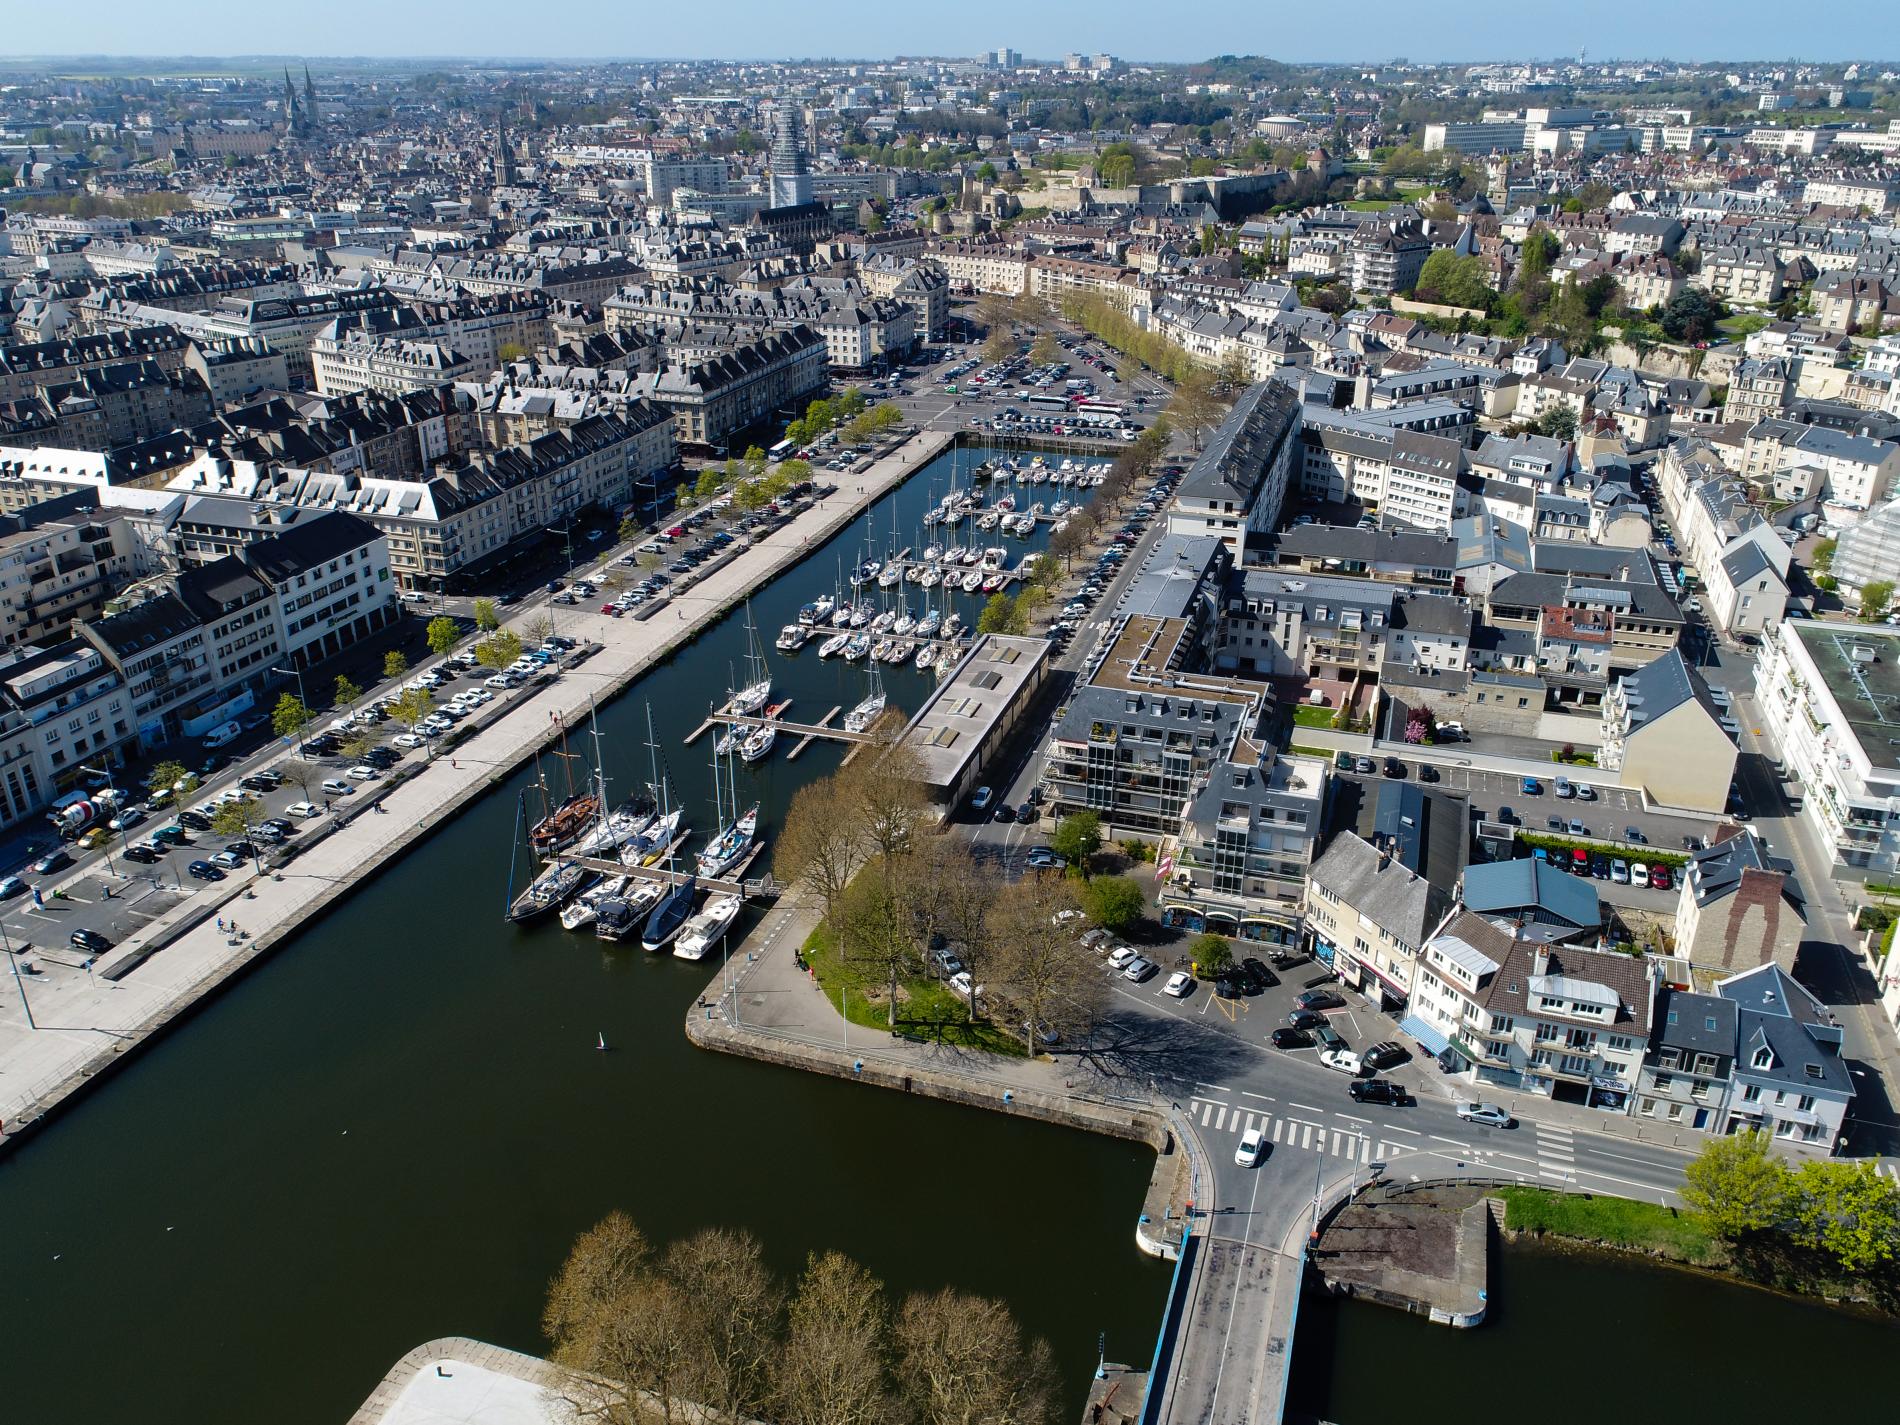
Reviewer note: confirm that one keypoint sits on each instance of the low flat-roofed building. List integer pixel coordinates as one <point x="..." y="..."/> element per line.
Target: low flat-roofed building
<point x="969" y="714"/>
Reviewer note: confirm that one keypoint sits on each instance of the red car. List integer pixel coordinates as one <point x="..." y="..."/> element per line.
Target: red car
<point x="1660" y="879"/>
<point x="1579" y="860"/>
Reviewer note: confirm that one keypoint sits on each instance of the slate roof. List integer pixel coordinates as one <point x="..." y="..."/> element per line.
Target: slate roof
<point x="1524" y="884"/>
<point x="1774" y="1012"/>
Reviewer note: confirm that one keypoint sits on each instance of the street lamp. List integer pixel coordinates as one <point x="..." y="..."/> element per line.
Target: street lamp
<point x="19" y="983"/>
<point x="302" y="701"/>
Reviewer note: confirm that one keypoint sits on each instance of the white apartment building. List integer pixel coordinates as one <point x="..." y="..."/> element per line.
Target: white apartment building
<point x="1828" y="696"/>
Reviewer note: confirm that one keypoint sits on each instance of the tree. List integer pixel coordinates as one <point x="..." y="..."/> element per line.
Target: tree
<point x="510" y="351"/>
<point x="884" y="789"/>
<point x="998" y="346"/>
<point x="1196" y="407"/>
<point x="630" y="529"/>
<point x="395" y="663"/>
<point x="949" y="893"/>
<point x="499" y="649"/>
<point x="1737" y="1184"/>
<point x="1114" y="902"/>
<point x="962" y="1360"/>
<point x="1211" y="953"/>
<point x="736" y="1309"/>
<point x="709" y="483"/>
<point x="1847" y="1210"/>
<point x="171" y="779"/>
<point x="1037" y="964"/>
<point x="832" y="1369"/>
<point x="1559" y="423"/>
<point x="346" y="692"/>
<point x="1690" y="316"/>
<point x="1875" y="596"/>
<point x="290" y="717"/>
<point x="1002" y="613"/>
<point x="486" y="619"/>
<point x="237" y="820"/>
<point x="1823" y="557"/>
<point x="1458" y="281"/>
<point x="412" y="707"/>
<point x="441" y="634"/>
<point x="817" y="848"/>
<point x="986" y="172"/>
<point x="1078" y="837"/>
<point x="303" y="771"/>
<point x="589" y="1318"/>
<point x="874" y="928"/>
<point x="539" y="627"/>
<point x="1045" y="349"/>
<point x="357" y="745"/>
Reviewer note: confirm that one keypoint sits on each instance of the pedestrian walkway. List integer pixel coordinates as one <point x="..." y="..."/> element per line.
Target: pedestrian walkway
<point x="83" y="1025"/>
<point x="1290" y="1130"/>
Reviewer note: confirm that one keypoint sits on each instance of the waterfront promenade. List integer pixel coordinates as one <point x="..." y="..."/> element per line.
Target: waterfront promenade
<point x="86" y="1025"/>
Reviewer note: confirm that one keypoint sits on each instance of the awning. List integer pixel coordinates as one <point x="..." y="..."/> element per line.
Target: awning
<point x="1415" y="1026"/>
<point x="1458" y="1046"/>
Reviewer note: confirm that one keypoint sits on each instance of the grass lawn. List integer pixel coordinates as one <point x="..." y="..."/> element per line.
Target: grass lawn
<point x="1307" y="716"/>
<point x="1371" y="205"/>
<point x="863" y="990"/>
<point x="1320" y="752"/>
<point x="1742" y="324"/>
<point x="1614" y="1221"/>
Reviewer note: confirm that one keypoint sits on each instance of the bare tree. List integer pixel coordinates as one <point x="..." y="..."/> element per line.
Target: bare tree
<point x="832" y="1370"/>
<point x="1039" y="965"/>
<point x="819" y="847"/>
<point x="740" y="1308"/>
<point x="884" y="789"/>
<point x="589" y="1318"/>
<point x="1196" y="407"/>
<point x="962" y="1360"/>
<point x="876" y="928"/>
<point x="949" y="893"/>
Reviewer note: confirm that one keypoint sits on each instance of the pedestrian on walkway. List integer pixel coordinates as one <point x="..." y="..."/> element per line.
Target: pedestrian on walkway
<point x="220" y="922"/>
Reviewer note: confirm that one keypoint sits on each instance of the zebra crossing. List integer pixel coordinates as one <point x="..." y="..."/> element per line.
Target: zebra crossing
<point x="1556" y="1153"/>
<point x="1287" y="1131"/>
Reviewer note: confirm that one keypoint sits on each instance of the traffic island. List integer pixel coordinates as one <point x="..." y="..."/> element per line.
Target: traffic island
<point x="1421" y="1247"/>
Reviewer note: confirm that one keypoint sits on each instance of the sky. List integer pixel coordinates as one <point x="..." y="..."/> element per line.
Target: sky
<point x="1361" y="30"/>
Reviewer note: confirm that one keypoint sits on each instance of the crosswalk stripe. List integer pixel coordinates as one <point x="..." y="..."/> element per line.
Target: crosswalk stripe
<point x="1207" y="1113"/>
<point x="1220" y="1119"/>
<point x="1278" y="1124"/>
<point x="1250" y="1122"/>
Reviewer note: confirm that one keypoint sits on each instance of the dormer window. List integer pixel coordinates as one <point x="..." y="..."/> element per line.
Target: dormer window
<point x="1764" y="1058"/>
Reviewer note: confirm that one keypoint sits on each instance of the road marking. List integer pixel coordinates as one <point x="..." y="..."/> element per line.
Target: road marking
<point x="1264" y="1097"/>
<point x="1278" y="1125"/>
<point x="1461" y="1147"/>
<point x="1207" y="1112"/>
<point x="1216" y="1088"/>
<point x="1394" y="1128"/>
<point x="1350" y="1119"/>
<point x="1220" y="1119"/>
<point x="1307" y="1106"/>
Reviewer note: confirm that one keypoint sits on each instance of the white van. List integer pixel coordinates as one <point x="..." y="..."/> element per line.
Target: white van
<point x="221" y="734"/>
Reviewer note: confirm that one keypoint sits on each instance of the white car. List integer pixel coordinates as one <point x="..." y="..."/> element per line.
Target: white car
<point x="409" y="739"/>
<point x="960" y="982"/>
<point x="499" y="680"/>
<point x="362" y="772"/>
<point x="1180" y="984"/>
<point x="1253" y="1147"/>
<point x="337" y="787"/>
<point x="1343" y="1060"/>
<point x="306" y="810"/>
<point x="1120" y="956"/>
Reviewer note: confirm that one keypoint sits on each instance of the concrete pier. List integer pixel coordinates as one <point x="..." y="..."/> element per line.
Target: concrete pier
<point x="1420" y="1247"/>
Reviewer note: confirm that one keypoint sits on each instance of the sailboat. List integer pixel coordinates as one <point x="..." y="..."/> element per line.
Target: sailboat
<point x="619" y="916"/>
<point x="581" y="912"/>
<point x="758" y="686"/>
<point x="708" y="928"/>
<point x="549" y="890"/>
<point x="759" y="740"/>
<point x="734" y="839"/>
<point x="563" y="825"/>
<point x="860" y="718"/>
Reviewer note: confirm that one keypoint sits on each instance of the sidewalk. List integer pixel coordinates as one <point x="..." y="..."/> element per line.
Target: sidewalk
<point x="85" y="1026"/>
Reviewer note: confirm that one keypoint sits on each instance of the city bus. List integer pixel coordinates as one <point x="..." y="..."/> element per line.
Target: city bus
<point x="782" y="451"/>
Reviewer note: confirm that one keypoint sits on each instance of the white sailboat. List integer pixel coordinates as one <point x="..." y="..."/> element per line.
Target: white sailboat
<point x="860" y="718"/>
<point x="708" y="928"/>
<point x="758" y="687"/>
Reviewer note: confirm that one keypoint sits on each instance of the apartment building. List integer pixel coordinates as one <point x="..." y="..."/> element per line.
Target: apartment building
<point x="1663" y="733"/>
<point x="63" y="708"/>
<point x="357" y="361"/>
<point x="29" y="365"/>
<point x="105" y="407"/>
<point x="1409" y="478"/>
<point x="714" y="399"/>
<point x="160" y="650"/>
<point x="983" y="266"/>
<point x="236" y="368"/>
<point x="1790" y="1081"/>
<point x="61" y="559"/>
<point x="1384" y="258"/>
<point x="1245" y="846"/>
<point x="1516" y="1012"/>
<point x="1689" y="1071"/>
<point x="1735" y="910"/>
<point x="1742" y="558"/>
<point x="1825" y="694"/>
<point x="1235" y="488"/>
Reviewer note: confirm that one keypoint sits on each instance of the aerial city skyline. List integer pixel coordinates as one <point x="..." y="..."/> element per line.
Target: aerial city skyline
<point x="1006" y="728"/>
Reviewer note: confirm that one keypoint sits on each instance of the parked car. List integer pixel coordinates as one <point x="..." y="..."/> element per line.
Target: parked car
<point x="1120" y="956"/>
<point x="1180" y="985"/>
<point x="1530" y="786"/>
<point x="1319" y="999"/>
<point x="1660" y="878"/>
<point x="1620" y="871"/>
<point x="980" y="799"/>
<point x="1259" y="975"/>
<point x="12" y="886"/>
<point x="303" y="809"/>
<point x="1043" y="858"/>
<point x="144" y="855"/>
<point x="204" y="871"/>
<point x="1342" y="1060"/>
<point x="52" y="861"/>
<point x="337" y="787"/>
<point x="1138" y="969"/>
<point x="1381" y="1091"/>
<point x="1488" y="1114"/>
<point x="1384" y="1055"/>
<point x="1394" y="767"/>
<point x="1288" y="1038"/>
<point x="1305" y="1018"/>
<point x="362" y="772"/>
<point x="89" y="941"/>
<point x="1561" y="786"/>
<point x="1253" y="1147"/>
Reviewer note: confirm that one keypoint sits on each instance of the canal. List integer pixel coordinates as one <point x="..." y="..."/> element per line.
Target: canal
<point x="1575" y="1336"/>
<point x="392" y="1129"/>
